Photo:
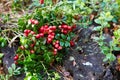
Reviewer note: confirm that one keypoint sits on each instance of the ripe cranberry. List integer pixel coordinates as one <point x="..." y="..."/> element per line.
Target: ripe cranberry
<point x="65" y="31"/>
<point x="37" y="36"/>
<point x="50" y="27"/>
<point x="69" y="28"/>
<point x="32" y="51"/>
<point x="45" y="26"/>
<point x="32" y="32"/>
<point x="53" y="34"/>
<point x="53" y="28"/>
<point x="46" y="30"/>
<point x="41" y="30"/>
<point x="49" y="40"/>
<point x="22" y="47"/>
<point x="27" y="31"/>
<point x="55" y="51"/>
<point x="49" y="31"/>
<point x="16" y="62"/>
<point x="32" y="21"/>
<point x="25" y="34"/>
<point x="56" y="45"/>
<point x="41" y="35"/>
<point x="60" y="27"/>
<point x="32" y="45"/>
<point x="65" y="26"/>
<point x="60" y="47"/>
<point x="36" y="22"/>
<point x="16" y="57"/>
<point x="50" y="36"/>
<point x="62" y="30"/>
<point x="74" y="26"/>
<point x="72" y="43"/>
<point x="41" y="1"/>
<point x="57" y="42"/>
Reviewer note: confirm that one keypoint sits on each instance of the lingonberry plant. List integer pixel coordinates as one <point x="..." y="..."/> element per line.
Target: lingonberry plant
<point x="47" y="33"/>
<point x="45" y="36"/>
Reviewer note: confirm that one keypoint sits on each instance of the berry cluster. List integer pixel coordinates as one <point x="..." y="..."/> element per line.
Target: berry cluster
<point x="50" y="30"/>
<point x="56" y="47"/>
<point x="65" y="29"/>
<point x="33" y="21"/>
<point x="47" y="32"/>
<point x="27" y="32"/>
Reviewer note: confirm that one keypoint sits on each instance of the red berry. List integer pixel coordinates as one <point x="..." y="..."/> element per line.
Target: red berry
<point x="53" y="28"/>
<point x="60" y="47"/>
<point x="49" y="31"/>
<point x="69" y="28"/>
<point x="49" y="40"/>
<point x="16" y="57"/>
<point x="55" y="50"/>
<point x="57" y="42"/>
<point x="41" y="35"/>
<point x="37" y="36"/>
<point x="62" y="30"/>
<point x="53" y="34"/>
<point x="50" y="36"/>
<point x="27" y="31"/>
<point x="54" y="53"/>
<point x="41" y="30"/>
<point x="45" y="26"/>
<point x="36" y="22"/>
<point x="65" y="26"/>
<point x="32" y="32"/>
<point x="60" y="27"/>
<point x="41" y="1"/>
<point x="72" y="43"/>
<point x="32" y="51"/>
<point x="25" y="34"/>
<point x="65" y="31"/>
<point x="32" y="45"/>
<point x="32" y="21"/>
<point x="22" y="47"/>
<point x="16" y="62"/>
<point x="56" y="45"/>
<point x="50" y="27"/>
<point x="74" y="26"/>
